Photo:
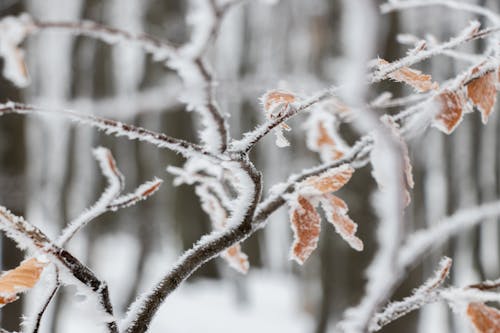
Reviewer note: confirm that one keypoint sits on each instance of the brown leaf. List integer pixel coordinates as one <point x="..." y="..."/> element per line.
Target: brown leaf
<point x="484" y="318"/>
<point x="450" y="113"/>
<point x="482" y="92"/>
<point x="331" y="180"/>
<point x="336" y="213"/>
<point x="306" y="227"/>
<point x="420" y="82"/>
<point x="236" y="258"/>
<point x="275" y="97"/>
<point x="325" y="142"/>
<point x="19" y="279"/>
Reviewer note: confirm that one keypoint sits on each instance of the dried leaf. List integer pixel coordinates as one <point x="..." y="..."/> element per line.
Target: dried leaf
<point x="482" y="92"/>
<point x="19" y="279"/>
<point x="336" y="213"/>
<point x="331" y="180"/>
<point x="306" y="227"/>
<point x="236" y="258"/>
<point x="322" y="134"/>
<point x="484" y="318"/>
<point x="273" y="98"/>
<point x="276" y="103"/>
<point x="420" y="82"/>
<point x="450" y="113"/>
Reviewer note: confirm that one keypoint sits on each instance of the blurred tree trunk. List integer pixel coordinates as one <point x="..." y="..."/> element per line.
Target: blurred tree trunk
<point x="12" y="182"/>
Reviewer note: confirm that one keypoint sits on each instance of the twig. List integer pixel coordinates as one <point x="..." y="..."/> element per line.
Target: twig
<point x="116" y="128"/>
<point x="28" y="236"/>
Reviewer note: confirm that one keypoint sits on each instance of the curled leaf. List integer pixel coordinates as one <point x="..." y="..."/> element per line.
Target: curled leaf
<point x="482" y="93"/>
<point x="416" y="79"/>
<point x="19" y="280"/>
<point x="484" y="318"/>
<point x="451" y="110"/>
<point x="306" y="227"/>
<point x="336" y="213"/>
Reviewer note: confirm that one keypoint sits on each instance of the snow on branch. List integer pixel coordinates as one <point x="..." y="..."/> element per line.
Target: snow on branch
<point x="423" y="240"/>
<point x="27" y="236"/>
<point x="113" y="127"/>
<point x="239" y="227"/>
<point x="110" y="200"/>
<point x="457" y="5"/>
<point x="421" y="296"/>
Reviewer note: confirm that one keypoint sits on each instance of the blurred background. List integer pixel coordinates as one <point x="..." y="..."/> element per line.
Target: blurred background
<point x="48" y="174"/>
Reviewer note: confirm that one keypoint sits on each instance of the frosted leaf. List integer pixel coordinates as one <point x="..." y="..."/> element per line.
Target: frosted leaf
<point x="484" y="318"/>
<point x="482" y="93"/>
<point x="236" y="259"/>
<point x="20" y="279"/>
<point x="306" y="228"/>
<point x="329" y="181"/>
<point x="419" y="81"/>
<point x="276" y="103"/>
<point x="336" y="213"/>
<point x="13" y="31"/>
<point x="323" y="137"/>
<point x="451" y="110"/>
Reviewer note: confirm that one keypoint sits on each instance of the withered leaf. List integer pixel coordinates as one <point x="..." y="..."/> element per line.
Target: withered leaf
<point x="484" y="318"/>
<point x="416" y="79"/>
<point x="19" y="279"/>
<point x="306" y="227"/>
<point x="450" y="113"/>
<point x="482" y="93"/>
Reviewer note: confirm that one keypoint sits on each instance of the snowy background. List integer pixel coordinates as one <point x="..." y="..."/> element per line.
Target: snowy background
<point x="48" y="173"/>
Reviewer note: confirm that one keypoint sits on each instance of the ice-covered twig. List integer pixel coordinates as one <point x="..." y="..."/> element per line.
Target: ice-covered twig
<point x="27" y="236"/>
<point x="32" y="325"/>
<point x="421" y="296"/>
<point x="239" y="228"/>
<point x="422" y="241"/>
<point x="116" y="128"/>
<point x="473" y="33"/>
<point x="486" y="285"/>
<point x="458" y="5"/>
<point x="251" y="138"/>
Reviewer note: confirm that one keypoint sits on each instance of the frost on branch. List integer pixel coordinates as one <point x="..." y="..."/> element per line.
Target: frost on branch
<point x="13" y="31"/>
<point x="450" y="111"/>
<point x="276" y="103"/>
<point x="484" y="318"/>
<point x="482" y="93"/>
<point x="305" y="218"/>
<point x="416" y="79"/>
<point x="19" y="280"/>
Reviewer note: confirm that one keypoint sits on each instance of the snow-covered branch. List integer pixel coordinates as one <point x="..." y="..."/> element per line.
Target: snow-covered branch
<point x="113" y="127"/>
<point x="27" y="236"/>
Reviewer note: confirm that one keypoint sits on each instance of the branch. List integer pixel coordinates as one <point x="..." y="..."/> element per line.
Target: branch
<point x="383" y="71"/>
<point x="423" y="295"/>
<point x="468" y="7"/>
<point x="160" y="140"/>
<point x="423" y="240"/>
<point x="27" y="236"/>
<point x="142" y="311"/>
